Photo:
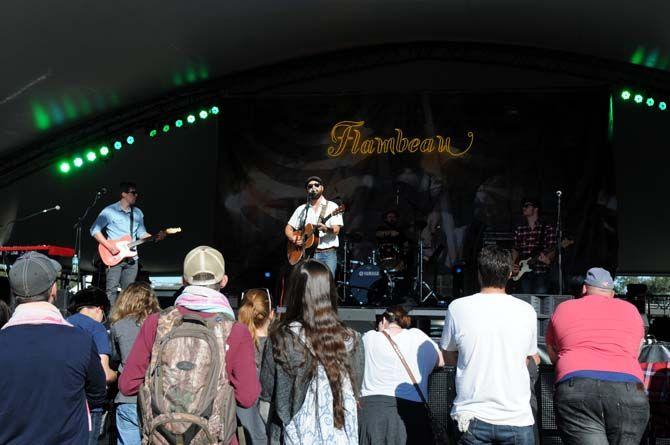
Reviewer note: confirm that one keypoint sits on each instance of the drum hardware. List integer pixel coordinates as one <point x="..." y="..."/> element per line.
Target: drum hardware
<point x="418" y="282"/>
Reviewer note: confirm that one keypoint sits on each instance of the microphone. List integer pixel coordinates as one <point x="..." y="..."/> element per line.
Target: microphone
<point x="102" y="191"/>
<point x="56" y="207"/>
<point x="559" y="193"/>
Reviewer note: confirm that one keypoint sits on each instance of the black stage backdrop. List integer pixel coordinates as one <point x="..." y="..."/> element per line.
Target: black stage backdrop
<point x="456" y="166"/>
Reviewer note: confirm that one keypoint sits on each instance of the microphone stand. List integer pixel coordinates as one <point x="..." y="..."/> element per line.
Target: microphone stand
<point x="77" y="238"/>
<point x="559" y="237"/>
<point x="25" y="218"/>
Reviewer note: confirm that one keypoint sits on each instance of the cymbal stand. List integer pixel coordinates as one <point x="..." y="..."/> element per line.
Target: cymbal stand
<point x="345" y="272"/>
<point x="419" y="276"/>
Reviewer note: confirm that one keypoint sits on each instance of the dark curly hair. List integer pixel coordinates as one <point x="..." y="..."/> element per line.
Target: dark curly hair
<point x="312" y="301"/>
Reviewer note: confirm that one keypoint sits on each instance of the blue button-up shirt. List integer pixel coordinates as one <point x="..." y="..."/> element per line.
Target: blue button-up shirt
<point x="116" y="222"/>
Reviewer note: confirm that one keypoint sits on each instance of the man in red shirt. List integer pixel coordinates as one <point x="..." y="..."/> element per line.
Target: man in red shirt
<point x="204" y="275"/>
<point x="594" y="342"/>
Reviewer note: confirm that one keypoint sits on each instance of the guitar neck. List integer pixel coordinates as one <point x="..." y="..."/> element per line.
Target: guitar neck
<point x="140" y="241"/>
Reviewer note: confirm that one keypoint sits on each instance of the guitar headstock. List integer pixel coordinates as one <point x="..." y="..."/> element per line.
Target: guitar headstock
<point x="339" y="210"/>
<point x="173" y="230"/>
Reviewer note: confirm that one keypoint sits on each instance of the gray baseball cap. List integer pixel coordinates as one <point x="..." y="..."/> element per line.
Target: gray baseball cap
<point x="32" y="274"/>
<point x="599" y="277"/>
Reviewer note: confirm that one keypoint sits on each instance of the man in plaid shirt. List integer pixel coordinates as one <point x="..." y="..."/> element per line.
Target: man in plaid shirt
<point x="535" y="238"/>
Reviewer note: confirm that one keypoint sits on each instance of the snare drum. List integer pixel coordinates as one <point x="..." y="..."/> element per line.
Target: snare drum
<point x="390" y="257"/>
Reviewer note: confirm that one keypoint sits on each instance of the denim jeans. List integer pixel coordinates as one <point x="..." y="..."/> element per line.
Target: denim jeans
<point x="96" y="426"/>
<point x="595" y="412"/>
<point x="127" y="424"/>
<point x="254" y="427"/>
<point x="480" y="432"/>
<point x="123" y="274"/>
<point x="329" y="258"/>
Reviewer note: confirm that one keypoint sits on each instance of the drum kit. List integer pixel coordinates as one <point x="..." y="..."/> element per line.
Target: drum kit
<point x="384" y="277"/>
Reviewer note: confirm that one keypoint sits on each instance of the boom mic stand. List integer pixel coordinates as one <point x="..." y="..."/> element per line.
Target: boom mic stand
<point x="77" y="239"/>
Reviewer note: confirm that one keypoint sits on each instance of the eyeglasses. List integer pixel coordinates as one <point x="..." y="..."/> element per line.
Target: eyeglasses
<point x="133" y="192"/>
<point x="267" y="292"/>
<point x="313" y="185"/>
<point x="528" y="204"/>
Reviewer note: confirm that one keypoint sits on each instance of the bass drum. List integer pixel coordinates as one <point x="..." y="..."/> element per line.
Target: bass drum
<point x="367" y="284"/>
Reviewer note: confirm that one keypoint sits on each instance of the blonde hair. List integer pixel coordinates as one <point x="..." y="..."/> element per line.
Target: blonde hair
<point x="255" y="310"/>
<point x="138" y="300"/>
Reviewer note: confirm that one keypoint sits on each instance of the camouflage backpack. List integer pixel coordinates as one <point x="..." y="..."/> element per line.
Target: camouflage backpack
<point x="186" y="397"/>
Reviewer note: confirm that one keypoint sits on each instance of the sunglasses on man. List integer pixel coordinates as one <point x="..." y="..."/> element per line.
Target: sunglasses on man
<point x="313" y="185"/>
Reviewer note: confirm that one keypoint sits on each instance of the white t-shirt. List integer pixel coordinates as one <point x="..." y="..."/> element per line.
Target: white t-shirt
<point x="493" y="334"/>
<point x="326" y="240"/>
<point x="384" y="373"/>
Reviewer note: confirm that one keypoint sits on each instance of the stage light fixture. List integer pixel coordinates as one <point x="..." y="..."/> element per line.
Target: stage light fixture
<point x="153" y="133"/>
<point x="190" y="118"/>
<point x="104" y="150"/>
<point x="130" y="140"/>
<point x="214" y="110"/>
<point x="625" y="94"/>
<point x="91" y="156"/>
<point x="78" y="162"/>
<point x="203" y="114"/>
<point x="179" y="123"/>
<point x="166" y="128"/>
<point x="638" y="98"/>
<point x="650" y="101"/>
<point x="118" y="145"/>
<point x="662" y="106"/>
<point x="64" y="167"/>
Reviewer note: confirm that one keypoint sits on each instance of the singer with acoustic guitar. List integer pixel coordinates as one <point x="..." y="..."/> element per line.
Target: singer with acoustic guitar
<point x="115" y="222"/>
<point x="324" y="218"/>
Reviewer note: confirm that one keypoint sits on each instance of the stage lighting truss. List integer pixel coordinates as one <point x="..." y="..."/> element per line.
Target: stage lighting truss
<point x="92" y="153"/>
<point x="640" y="98"/>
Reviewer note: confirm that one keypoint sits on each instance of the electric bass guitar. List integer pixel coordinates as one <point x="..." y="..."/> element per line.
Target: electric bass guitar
<point x="310" y="238"/>
<point x="529" y="263"/>
<point x="127" y="247"/>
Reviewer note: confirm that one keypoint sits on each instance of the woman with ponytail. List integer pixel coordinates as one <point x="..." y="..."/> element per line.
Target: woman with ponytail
<point x="256" y="313"/>
<point x="312" y="365"/>
<point x="392" y="411"/>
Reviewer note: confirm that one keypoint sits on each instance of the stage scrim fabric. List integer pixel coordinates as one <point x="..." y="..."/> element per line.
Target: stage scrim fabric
<point x="456" y="166"/>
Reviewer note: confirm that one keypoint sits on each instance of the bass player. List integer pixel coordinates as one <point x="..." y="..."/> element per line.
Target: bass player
<point x="115" y="221"/>
<point x="534" y="238"/>
<point x="319" y="207"/>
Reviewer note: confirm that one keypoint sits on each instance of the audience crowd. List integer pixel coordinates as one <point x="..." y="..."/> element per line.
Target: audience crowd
<point x="194" y="373"/>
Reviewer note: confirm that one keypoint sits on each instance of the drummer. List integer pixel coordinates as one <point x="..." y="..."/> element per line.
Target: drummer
<point x="392" y="239"/>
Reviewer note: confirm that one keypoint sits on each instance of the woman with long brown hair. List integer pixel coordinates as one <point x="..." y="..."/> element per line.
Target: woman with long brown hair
<point x="134" y="304"/>
<point x="312" y="365"/>
<point x="256" y="313"/>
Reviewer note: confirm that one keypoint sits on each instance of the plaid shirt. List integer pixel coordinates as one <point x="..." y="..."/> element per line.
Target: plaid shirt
<point x="528" y="243"/>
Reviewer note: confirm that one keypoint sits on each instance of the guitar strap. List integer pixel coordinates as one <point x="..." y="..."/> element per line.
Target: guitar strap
<point x="132" y="213"/>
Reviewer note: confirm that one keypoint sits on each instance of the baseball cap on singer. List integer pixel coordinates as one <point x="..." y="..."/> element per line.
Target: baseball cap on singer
<point x="32" y="274"/>
<point x="204" y="259"/>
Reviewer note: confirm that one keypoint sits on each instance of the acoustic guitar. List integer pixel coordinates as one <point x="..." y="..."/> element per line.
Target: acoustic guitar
<point x="310" y="239"/>
<point x="127" y="247"/>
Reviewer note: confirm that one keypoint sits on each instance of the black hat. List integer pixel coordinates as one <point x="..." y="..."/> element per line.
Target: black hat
<point x="91" y="296"/>
<point x="534" y="201"/>
<point x="313" y="178"/>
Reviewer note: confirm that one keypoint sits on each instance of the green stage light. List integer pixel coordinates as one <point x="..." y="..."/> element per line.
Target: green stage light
<point x="625" y="94"/>
<point x="166" y="128"/>
<point x="214" y="110"/>
<point x="153" y="133"/>
<point x="78" y="162"/>
<point x="64" y="167"/>
<point x="190" y="119"/>
<point x="90" y="155"/>
<point x="662" y="106"/>
<point x="203" y="114"/>
<point x="650" y="102"/>
<point x="638" y="98"/>
<point x="179" y="123"/>
<point x="118" y="145"/>
<point x="104" y="150"/>
<point x="130" y="140"/>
